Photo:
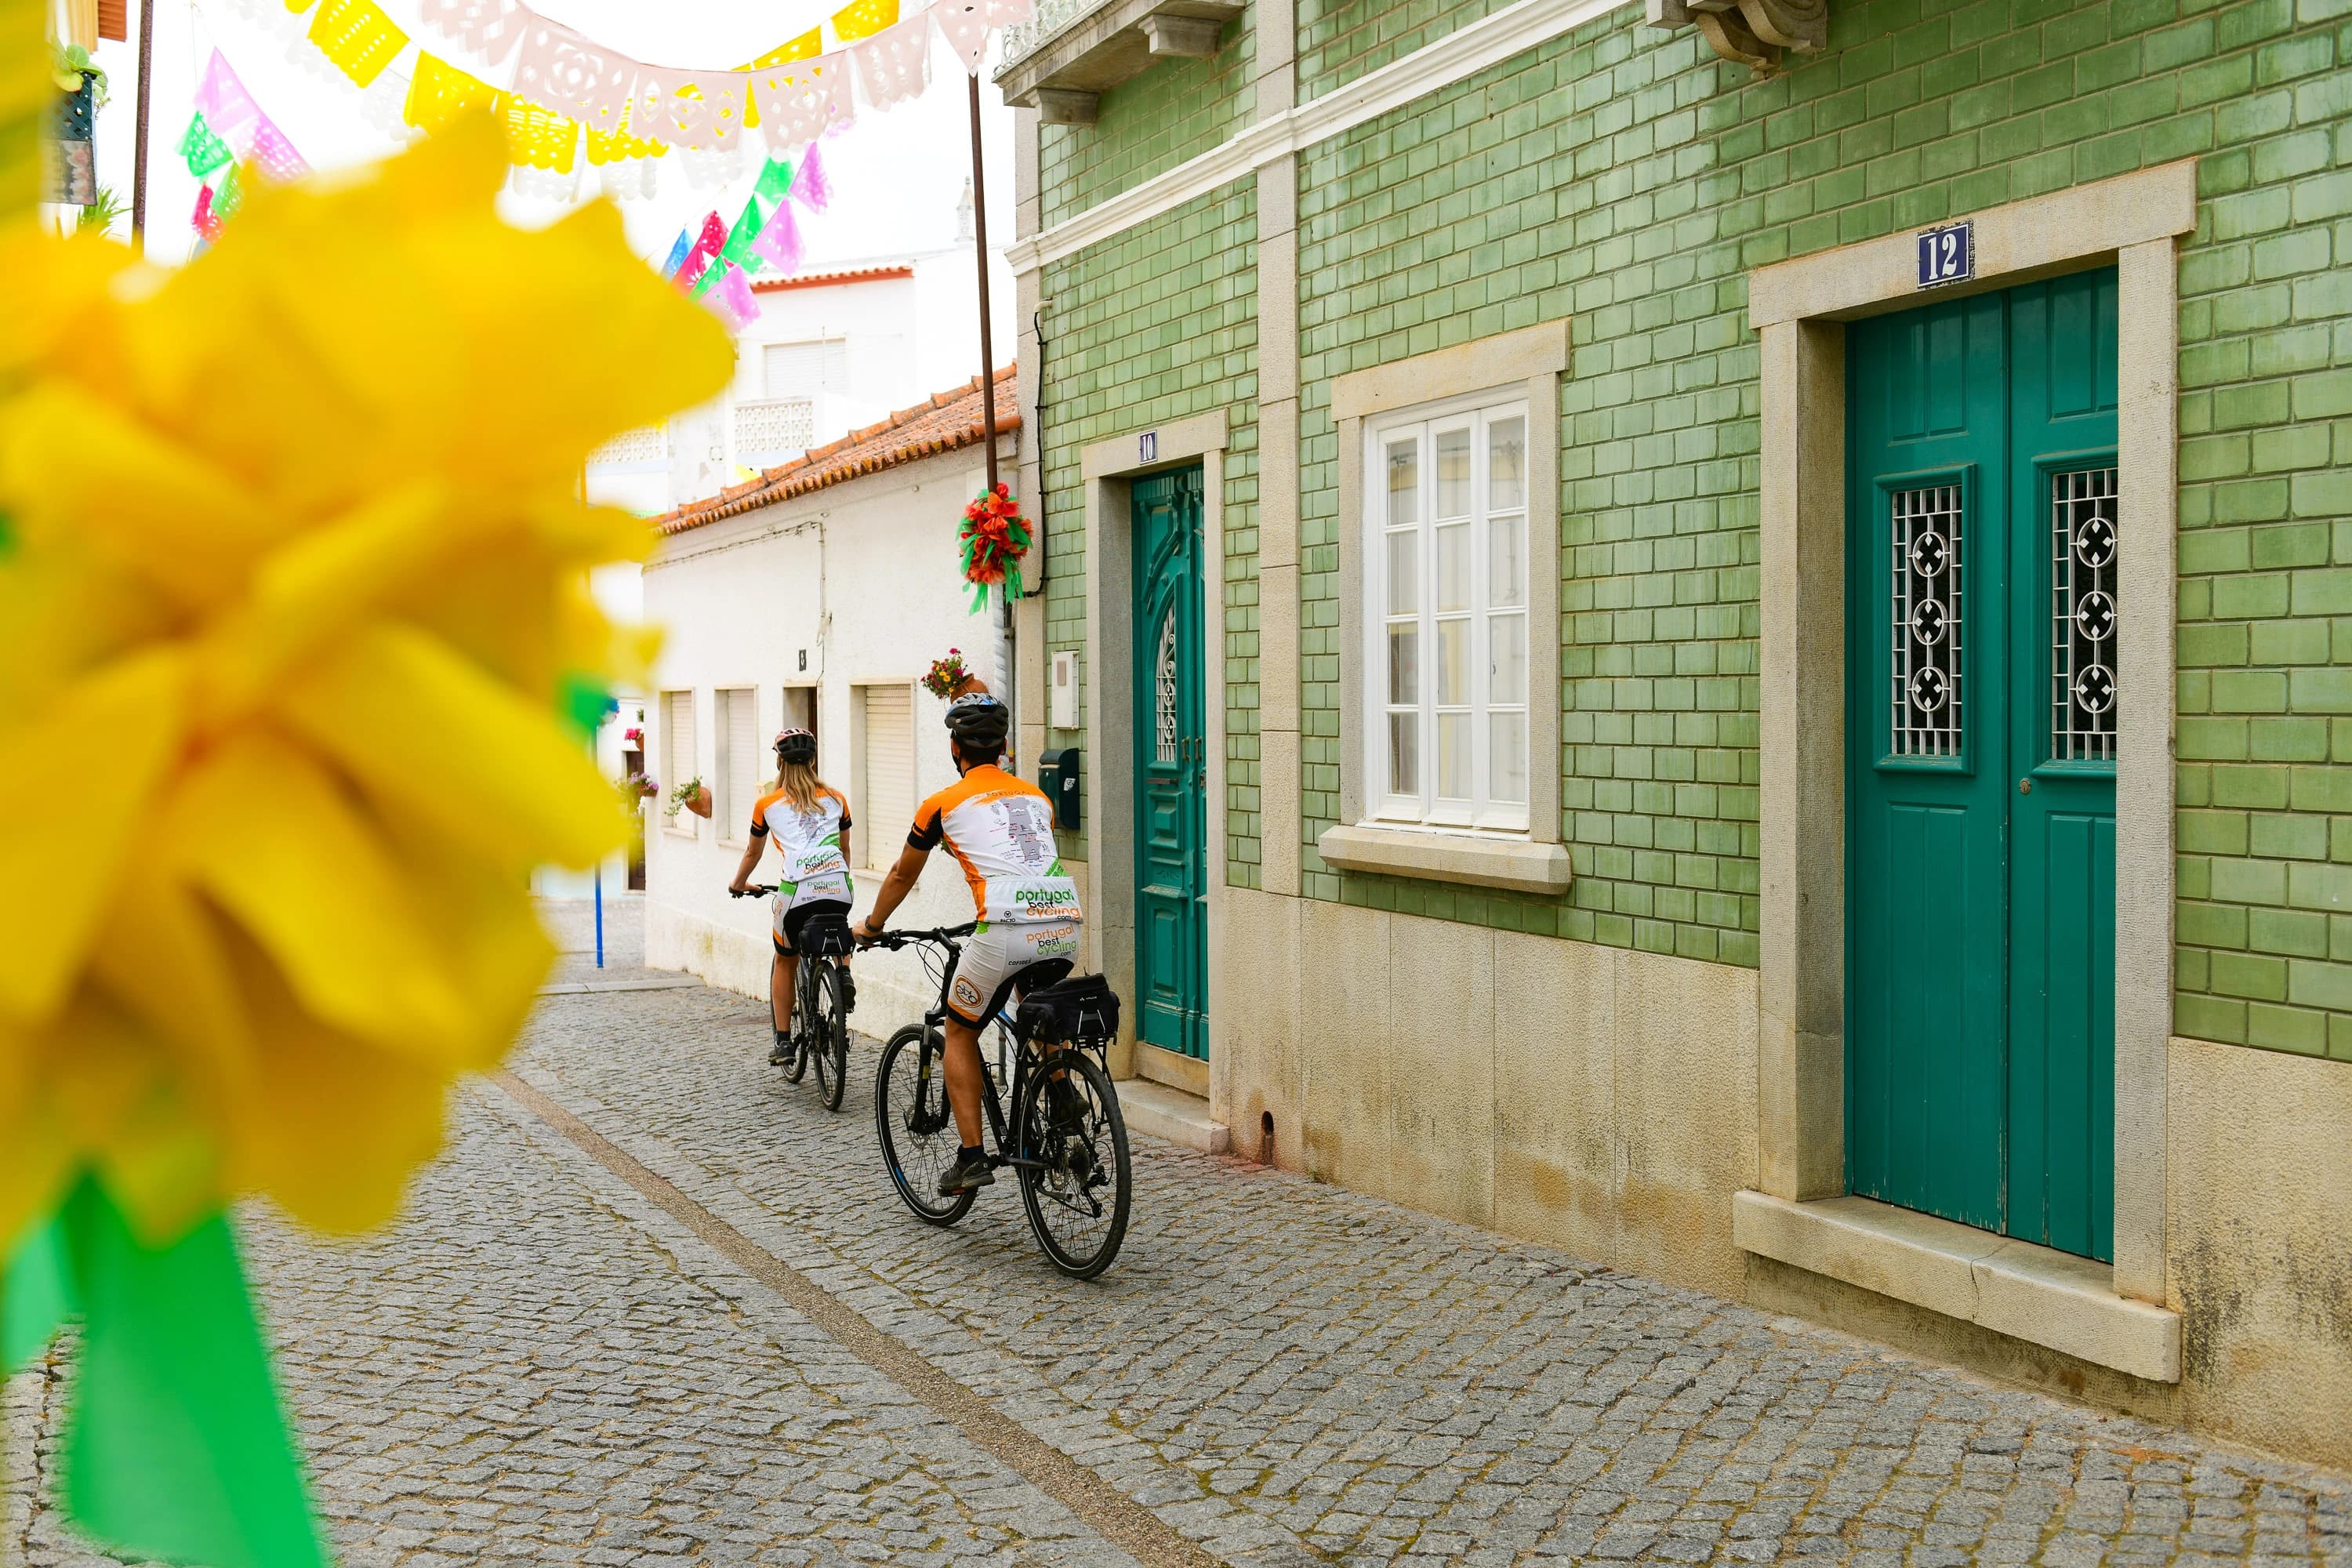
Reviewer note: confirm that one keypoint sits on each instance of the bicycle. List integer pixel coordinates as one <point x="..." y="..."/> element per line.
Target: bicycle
<point x="1069" y="1139"/>
<point x="821" y="1004"/>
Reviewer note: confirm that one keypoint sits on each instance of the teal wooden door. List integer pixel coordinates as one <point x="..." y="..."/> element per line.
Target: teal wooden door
<point x="1982" y="619"/>
<point x="1171" y="738"/>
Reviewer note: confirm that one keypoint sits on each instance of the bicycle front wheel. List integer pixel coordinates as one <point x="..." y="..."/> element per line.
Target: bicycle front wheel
<point x="1076" y="1181"/>
<point x="832" y="1001"/>
<point x="919" y="1133"/>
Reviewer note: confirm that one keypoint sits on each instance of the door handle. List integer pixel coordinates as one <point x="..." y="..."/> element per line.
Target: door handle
<point x="2025" y="786"/>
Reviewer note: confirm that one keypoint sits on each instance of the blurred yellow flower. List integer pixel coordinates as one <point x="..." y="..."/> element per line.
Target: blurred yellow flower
<point x="292" y="575"/>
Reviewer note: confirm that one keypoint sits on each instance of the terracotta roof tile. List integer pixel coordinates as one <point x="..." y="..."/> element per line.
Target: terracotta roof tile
<point x="945" y="423"/>
<point x="881" y="272"/>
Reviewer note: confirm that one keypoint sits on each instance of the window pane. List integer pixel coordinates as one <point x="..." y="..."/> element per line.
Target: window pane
<point x="1454" y="567"/>
<point x="1404" y="573"/>
<point x="1454" y="756"/>
<point x="1454" y="474"/>
<point x="1404" y="482"/>
<point x="1507" y="758"/>
<point x="1404" y="753"/>
<point x="1507" y="649"/>
<point x="1507" y="465"/>
<point x="1507" y="562"/>
<point x="1452" y="662"/>
<point x="1405" y="664"/>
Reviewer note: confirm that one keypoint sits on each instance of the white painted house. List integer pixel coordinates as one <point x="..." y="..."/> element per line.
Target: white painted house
<point x="831" y="352"/>
<point x="819" y="595"/>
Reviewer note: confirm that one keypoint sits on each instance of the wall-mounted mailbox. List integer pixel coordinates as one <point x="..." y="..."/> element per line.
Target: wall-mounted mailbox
<point x="1057" y="776"/>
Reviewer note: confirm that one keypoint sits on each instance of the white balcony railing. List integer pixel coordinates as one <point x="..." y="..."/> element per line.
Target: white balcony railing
<point x="648" y="443"/>
<point x="772" y="432"/>
<point x="1025" y="39"/>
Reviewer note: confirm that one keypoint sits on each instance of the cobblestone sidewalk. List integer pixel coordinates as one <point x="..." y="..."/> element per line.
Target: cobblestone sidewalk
<point x="540" y="1363"/>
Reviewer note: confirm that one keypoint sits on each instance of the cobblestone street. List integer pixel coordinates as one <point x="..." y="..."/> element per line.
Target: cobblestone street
<point x="543" y="1363"/>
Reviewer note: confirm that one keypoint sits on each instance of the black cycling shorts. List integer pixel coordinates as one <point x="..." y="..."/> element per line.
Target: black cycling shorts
<point x="787" y="938"/>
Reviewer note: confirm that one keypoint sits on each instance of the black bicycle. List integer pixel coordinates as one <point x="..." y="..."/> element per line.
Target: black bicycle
<point x="821" y="1004"/>
<point x="1067" y="1142"/>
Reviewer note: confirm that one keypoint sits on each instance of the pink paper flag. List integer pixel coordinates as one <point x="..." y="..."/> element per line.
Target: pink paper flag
<point x="894" y="64"/>
<point x="205" y="224"/>
<point x="1005" y="12"/>
<point x="275" y="153"/>
<point x="700" y="110"/>
<point x="801" y="101"/>
<point x="811" y="188"/>
<point x="576" y="76"/>
<point x="713" y="238"/>
<point x="490" y="28"/>
<point x="779" y="241"/>
<point x="733" y="298"/>
<point x="965" y="26"/>
<point x="226" y="107"/>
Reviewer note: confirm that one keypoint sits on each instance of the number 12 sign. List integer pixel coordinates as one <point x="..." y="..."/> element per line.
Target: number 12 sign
<point x="1947" y="255"/>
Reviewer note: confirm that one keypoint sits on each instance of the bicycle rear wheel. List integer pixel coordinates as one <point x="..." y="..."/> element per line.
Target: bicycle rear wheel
<point x="919" y="1133"/>
<point x="1078" y="1190"/>
<point x="832" y="1006"/>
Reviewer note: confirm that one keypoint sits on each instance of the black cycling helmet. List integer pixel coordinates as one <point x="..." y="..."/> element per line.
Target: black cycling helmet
<point x="795" y="746"/>
<point x="979" y="723"/>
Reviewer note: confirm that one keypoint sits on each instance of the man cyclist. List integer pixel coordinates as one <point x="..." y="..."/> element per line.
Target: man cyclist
<point x="999" y="829"/>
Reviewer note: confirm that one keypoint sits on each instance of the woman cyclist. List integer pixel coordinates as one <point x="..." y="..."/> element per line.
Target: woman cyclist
<point x="808" y="820"/>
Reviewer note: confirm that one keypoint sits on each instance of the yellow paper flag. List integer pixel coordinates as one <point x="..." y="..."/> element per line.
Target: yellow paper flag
<point x="440" y="92"/>
<point x="863" y="19"/>
<point x="799" y="48"/>
<point x="611" y="146"/>
<point x="539" y="138"/>
<point x="357" y="36"/>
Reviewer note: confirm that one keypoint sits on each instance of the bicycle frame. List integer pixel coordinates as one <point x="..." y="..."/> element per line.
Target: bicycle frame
<point x="1025" y="1061"/>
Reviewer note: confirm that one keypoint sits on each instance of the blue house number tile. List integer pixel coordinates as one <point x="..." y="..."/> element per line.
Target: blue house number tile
<point x="1947" y="255"/>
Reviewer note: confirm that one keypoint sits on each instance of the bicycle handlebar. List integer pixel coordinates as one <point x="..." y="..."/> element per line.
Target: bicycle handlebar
<point x="942" y="935"/>
<point x="752" y="891"/>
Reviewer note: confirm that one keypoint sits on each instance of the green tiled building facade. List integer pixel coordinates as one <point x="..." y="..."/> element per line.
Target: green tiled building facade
<point x="1614" y="1010"/>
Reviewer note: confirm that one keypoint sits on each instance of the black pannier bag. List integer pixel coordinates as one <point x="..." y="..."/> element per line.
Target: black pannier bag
<point x="825" y="936"/>
<point x="1084" y="1008"/>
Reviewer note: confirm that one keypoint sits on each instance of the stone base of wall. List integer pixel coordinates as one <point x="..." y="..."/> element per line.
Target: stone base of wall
<point x="1596" y="1098"/>
<point x="1604" y="1101"/>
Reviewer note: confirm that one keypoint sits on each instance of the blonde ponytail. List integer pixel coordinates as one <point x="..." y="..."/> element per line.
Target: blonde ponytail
<point x="801" y="786"/>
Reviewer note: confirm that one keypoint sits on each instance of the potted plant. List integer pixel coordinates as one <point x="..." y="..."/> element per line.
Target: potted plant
<point x="693" y="794"/>
<point x="637" y="789"/>
<point x="948" y="679"/>
<point x="635" y="738"/>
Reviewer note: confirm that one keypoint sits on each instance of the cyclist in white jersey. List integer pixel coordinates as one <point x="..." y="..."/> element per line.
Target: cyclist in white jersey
<point x="1000" y="828"/>
<point x="808" y="821"/>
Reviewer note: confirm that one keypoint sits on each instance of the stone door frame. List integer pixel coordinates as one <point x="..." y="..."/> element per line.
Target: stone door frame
<point x="1799" y="308"/>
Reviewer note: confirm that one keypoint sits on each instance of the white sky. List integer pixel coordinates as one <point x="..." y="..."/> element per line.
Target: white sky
<point x="895" y="176"/>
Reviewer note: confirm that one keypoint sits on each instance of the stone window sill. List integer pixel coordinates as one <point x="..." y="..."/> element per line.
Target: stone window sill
<point x="2031" y="1293"/>
<point x="1447" y="857"/>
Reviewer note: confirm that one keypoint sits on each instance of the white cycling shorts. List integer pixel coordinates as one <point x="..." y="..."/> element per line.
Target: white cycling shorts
<point x="995" y="954"/>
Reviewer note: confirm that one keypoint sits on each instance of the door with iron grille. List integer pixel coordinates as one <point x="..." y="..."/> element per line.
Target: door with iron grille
<point x="1984" y="618"/>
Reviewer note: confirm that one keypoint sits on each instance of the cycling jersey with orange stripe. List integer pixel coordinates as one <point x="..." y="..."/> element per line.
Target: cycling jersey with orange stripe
<point x="1000" y="828"/>
<point x="810" y="842"/>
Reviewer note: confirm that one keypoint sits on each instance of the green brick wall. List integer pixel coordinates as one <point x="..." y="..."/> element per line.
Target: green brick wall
<point x="1339" y="40"/>
<point x="1624" y="177"/>
<point x="1155" y="325"/>
<point x="1177" y="110"/>
<point x="2265" y="738"/>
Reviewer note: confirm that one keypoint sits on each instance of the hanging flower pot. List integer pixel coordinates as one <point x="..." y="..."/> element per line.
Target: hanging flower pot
<point x="992" y="543"/>
<point x="948" y="679"/>
<point x="693" y="794"/>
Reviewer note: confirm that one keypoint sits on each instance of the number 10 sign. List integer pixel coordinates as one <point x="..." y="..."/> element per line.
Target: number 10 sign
<point x="1947" y="255"/>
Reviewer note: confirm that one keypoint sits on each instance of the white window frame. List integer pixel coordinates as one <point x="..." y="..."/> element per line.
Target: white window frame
<point x="1426" y="425"/>
<point x="683" y="822"/>
<point x="1524" y="365"/>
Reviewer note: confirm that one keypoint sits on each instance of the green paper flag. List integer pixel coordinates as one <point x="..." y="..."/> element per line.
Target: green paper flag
<point x="204" y="150"/>
<point x="738" y="248"/>
<point x="775" y="180"/>
<point x="585" y="704"/>
<point x="228" y="195"/>
<point x="176" y="1445"/>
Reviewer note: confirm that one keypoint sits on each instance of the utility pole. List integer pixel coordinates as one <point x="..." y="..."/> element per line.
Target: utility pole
<point x="139" y="139"/>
